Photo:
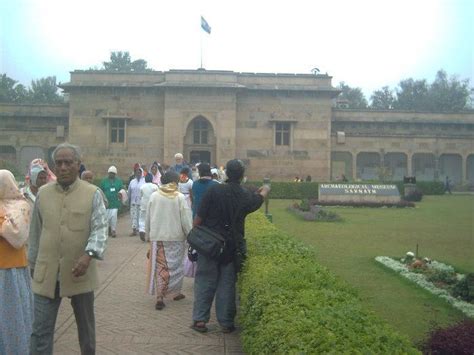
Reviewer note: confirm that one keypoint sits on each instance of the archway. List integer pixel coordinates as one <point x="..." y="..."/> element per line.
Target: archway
<point x="423" y="166"/>
<point x="451" y="165"/>
<point x="200" y="141"/>
<point x="368" y="165"/>
<point x="397" y="165"/>
<point x="27" y="154"/>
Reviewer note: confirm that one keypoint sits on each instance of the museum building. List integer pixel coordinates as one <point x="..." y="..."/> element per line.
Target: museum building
<point x="280" y="125"/>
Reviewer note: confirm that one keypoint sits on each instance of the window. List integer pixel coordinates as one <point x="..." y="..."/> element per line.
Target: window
<point x="117" y="130"/>
<point x="200" y="131"/>
<point x="282" y="133"/>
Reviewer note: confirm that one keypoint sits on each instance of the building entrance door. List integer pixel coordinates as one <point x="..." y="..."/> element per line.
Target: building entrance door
<point x="200" y="156"/>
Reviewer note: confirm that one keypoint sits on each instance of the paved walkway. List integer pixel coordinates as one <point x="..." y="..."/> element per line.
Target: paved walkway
<point x="126" y="319"/>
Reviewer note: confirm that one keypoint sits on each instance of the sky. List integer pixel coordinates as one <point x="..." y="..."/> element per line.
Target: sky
<point x="365" y="43"/>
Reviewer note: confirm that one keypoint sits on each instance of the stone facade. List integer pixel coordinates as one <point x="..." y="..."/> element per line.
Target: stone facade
<point x="31" y="131"/>
<point x="280" y="125"/>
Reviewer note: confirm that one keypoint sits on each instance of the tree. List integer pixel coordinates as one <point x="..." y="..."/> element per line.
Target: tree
<point x="122" y="62"/>
<point x="442" y="95"/>
<point x="45" y="91"/>
<point x="11" y="91"/>
<point x="448" y="95"/>
<point x="412" y="95"/>
<point x="354" y="96"/>
<point x="382" y="99"/>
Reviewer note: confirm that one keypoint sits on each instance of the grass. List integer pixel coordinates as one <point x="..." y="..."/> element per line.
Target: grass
<point x="443" y="228"/>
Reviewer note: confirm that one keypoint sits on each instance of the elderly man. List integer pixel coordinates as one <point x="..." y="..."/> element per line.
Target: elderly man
<point x="68" y="233"/>
<point x="111" y="186"/>
<point x="180" y="165"/>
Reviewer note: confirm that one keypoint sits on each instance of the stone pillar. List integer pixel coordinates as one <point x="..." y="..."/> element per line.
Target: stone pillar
<point x="436" y="166"/>
<point x="354" y="167"/>
<point x="464" y="180"/>
<point x="409" y="164"/>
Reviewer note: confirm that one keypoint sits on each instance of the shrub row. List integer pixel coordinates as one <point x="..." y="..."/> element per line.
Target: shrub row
<point x="290" y="304"/>
<point x="290" y="190"/>
<point x="300" y="190"/>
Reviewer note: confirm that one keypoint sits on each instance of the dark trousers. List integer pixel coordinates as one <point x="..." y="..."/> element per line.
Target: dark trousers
<point x="46" y="311"/>
<point x="214" y="279"/>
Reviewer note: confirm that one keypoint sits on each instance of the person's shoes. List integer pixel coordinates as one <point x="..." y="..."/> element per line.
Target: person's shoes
<point x="179" y="297"/>
<point x="199" y="327"/>
<point x="113" y="234"/>
<point x="227" y="330"/>
<point x="134" y="233"/>
<point x="159" y="305"/>
<point x="142" y="236"/>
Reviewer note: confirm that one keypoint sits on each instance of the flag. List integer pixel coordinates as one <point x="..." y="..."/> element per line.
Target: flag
<point x="205" y="26"/>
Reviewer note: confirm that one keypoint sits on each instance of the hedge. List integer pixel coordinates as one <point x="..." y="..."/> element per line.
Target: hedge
<point x="290" y="190"/>
<point x="291" y="305"/>
<point x="301" y="190"/>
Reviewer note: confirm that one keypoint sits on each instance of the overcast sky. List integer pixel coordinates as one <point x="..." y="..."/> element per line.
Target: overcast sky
<point x="366" y="43"/>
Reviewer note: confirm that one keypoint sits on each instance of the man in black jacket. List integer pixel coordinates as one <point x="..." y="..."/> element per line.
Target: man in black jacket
<point x="223" y="209"/>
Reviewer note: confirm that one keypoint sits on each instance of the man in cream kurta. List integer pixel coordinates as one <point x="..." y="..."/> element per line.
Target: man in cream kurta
<point x="68" y="231"/>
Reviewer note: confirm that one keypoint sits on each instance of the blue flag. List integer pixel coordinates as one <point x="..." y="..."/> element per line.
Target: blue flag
<point x="205" y="26"/>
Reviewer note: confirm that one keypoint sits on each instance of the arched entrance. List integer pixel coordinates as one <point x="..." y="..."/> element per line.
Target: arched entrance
<point x="451" y="165"/>
<point x="368" y="164"/>
<point x="27" y="154"/>
<point x="200" y="141"/>
<point x="423" y="166"/>
<point x="397" y="165"/>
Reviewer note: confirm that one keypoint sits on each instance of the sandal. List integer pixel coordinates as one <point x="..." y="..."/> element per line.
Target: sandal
<point x="227" y="330"/>
<point x="159" y="305"/>
<point x="179" y="297"/>
<point x="199" y="327"/>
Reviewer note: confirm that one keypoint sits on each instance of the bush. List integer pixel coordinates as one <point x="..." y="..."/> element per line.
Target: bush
<point x="464" y="288"/>
<point x="457" y="339"/>
<point x="313" y="213"/>
<point x="290" y="190"/>
<point x="301" y="190"/>
<point x="290" y="304"/>
<point x="414" y="196"/>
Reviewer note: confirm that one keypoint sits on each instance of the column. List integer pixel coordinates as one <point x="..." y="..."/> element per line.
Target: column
<point x="354" y="167"/>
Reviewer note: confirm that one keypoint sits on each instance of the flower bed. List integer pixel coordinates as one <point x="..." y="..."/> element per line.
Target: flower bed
<point x="413" y="272"/>
<point x="313" y="212"/>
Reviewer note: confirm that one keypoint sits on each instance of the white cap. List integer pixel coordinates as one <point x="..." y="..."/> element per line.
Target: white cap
<point x="214" y="171"/>
<point x="112" y="169"/>
<point x="178" y="156"/>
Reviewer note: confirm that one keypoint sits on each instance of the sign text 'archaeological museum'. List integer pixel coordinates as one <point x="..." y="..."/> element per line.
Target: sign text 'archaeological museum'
<point x="280" y="125"/>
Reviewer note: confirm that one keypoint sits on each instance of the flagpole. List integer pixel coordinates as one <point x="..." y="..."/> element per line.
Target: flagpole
<point x="201" y="49"/>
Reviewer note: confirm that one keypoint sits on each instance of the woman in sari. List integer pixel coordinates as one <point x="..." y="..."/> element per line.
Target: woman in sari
<point x="16" y="297"/>
<point x="168" y="222"/>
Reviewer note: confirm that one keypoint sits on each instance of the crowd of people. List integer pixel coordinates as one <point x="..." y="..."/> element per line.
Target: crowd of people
<point x="55" y="229"/>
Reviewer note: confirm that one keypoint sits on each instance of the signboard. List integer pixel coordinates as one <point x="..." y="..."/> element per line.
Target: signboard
<point x="359" y="193"/>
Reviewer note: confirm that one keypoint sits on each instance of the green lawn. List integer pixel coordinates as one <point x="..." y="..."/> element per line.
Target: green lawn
<point x="442" y="226"/>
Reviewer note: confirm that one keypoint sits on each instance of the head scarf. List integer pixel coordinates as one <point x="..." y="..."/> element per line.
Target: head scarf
<point x="44" y="165"/>
<point x="14" y="211"/>
<point x="8" y="187"/>
<point x="169" y="190"/>
<point x="34" y="172"/>
<point x="157" y="176"/>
